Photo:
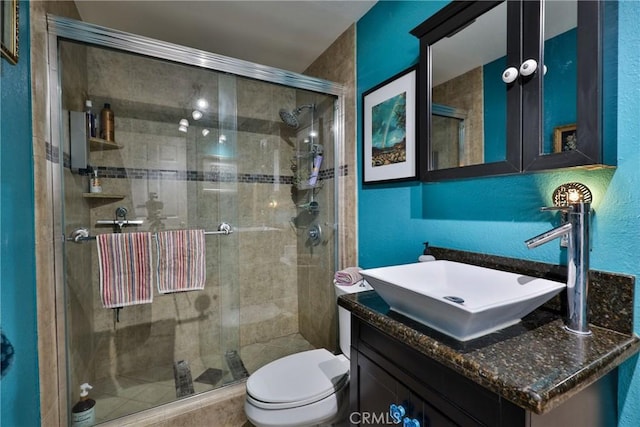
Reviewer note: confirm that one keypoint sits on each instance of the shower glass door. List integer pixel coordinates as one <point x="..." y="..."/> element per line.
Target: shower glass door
<point x="171" y="165"/>
<point x="193" y="148"/>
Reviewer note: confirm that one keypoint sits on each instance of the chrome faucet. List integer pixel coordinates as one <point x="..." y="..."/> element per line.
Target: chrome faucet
<point x="577" y="230"/>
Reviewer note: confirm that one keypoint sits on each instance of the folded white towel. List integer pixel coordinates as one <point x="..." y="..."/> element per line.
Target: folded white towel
<point x="348" y="276"/>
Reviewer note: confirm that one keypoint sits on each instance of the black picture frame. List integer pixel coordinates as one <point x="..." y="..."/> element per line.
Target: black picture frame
<point x="389" y="123"/>
<point x="9" y="33"/>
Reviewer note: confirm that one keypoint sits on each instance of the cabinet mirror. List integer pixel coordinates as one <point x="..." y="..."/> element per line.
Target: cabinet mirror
<point x="468" y="97"/>
<point x="464" y="103"/>
<point x="503" y="86"/>
<point x="559" y="106"/>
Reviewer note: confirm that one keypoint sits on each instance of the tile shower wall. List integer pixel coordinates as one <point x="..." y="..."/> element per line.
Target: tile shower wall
<point x="160" y="166"/>
<point x="316" y="297"/>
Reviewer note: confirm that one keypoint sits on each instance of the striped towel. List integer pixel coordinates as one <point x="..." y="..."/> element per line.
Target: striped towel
<point x="124" y="260"/>
<point x="181" y="260"/>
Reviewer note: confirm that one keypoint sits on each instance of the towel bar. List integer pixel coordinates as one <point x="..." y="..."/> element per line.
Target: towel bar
<point x="80" y="235"/>
<point x="119" y="222"/>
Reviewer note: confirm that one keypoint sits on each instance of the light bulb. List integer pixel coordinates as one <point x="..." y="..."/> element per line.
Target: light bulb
<point x="184" y="122"/>
<point x="202" y="103"/>
<point x="205" y="132"/>
<point x="573" y="196"/>
<point x="197" y="115"/>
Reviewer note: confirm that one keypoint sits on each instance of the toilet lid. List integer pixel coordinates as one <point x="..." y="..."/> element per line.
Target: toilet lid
<point x="299" y="379"/>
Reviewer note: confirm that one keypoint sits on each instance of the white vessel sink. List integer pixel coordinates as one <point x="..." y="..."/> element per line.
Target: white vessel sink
<point x="460" y="300"/>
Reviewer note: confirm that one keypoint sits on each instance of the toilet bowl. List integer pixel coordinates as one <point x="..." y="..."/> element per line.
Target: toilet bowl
<point x="305" y="389"/>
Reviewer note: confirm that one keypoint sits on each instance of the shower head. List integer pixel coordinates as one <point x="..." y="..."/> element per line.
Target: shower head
<point x="290" y="118"/>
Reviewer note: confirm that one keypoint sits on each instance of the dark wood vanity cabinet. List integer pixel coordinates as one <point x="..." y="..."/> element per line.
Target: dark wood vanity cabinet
<point x="552" y="118"/>
<point x="386" y="372"/>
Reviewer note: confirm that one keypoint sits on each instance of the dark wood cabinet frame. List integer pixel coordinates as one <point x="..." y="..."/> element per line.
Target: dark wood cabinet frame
<point x="525" y="96"/>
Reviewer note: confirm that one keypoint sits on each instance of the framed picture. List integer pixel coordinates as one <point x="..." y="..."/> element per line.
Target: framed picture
<point x="9" y="40"/>
<point x="389" y="130"/>
<point x="565" y="138"/>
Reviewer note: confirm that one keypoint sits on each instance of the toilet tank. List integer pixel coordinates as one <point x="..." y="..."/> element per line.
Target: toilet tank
<point x="344" y="315"/>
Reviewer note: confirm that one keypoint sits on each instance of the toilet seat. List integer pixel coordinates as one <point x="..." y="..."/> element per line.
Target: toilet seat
<point x="297" y="380"/>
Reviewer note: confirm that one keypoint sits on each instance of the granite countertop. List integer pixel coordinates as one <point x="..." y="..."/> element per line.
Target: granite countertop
<point x="535" y="364"/>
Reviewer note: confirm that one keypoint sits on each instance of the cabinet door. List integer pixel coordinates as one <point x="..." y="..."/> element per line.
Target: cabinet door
<point x="469" y="118"/>
<point x="562" y="101"/>
<point x="384" y="400"/>
<point x="546" y="70"/>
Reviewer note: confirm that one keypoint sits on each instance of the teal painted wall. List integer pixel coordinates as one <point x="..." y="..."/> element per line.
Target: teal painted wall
<point x="20" y="400"/>
<point x="495" y="215"/>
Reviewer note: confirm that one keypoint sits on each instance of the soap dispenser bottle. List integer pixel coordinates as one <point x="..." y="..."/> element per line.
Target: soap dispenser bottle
<point x="94" y="183"/>
<point x="83" y="413"/>
<point x="426" y="254"/>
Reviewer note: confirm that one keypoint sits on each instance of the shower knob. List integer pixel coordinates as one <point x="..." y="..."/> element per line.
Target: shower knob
<point x="315" y="234"/>
<point x="121" y="212"/>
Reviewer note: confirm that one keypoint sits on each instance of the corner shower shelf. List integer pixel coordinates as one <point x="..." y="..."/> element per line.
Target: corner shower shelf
<point x="103" y="144"/>
<point x="103" y="196"/>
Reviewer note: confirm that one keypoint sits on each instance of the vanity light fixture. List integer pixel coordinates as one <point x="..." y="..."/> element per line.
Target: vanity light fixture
<point x="571" y="193"/>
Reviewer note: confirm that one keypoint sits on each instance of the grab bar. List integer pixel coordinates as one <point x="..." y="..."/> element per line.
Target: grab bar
<point x="80" y="235"/>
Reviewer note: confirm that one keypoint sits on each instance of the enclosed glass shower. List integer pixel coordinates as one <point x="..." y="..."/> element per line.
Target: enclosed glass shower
<point x="247" y="155"/>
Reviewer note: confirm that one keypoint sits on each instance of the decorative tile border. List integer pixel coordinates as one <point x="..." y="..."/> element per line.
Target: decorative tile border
<point x="228" y="175"/>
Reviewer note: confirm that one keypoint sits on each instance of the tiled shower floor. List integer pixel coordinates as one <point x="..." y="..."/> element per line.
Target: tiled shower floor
<point x="126" y="394"/>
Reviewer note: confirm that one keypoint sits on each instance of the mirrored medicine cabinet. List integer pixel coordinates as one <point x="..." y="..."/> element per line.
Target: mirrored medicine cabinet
<point x="508" y="87"/>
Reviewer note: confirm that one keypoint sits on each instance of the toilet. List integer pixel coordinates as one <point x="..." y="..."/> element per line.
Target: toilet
<point x="308" y="388"/>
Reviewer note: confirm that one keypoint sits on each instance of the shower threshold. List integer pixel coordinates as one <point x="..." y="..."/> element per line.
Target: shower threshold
<point x="125" y="394"/>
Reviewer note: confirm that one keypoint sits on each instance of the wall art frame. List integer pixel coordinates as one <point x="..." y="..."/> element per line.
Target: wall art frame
<point x="9" y="33"/>
<point x="565" y="138"/>
<point x="389" y="143"/>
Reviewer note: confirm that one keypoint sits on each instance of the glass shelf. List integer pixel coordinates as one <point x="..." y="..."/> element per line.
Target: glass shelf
<point x="102" y="144"/>
<point x="102" y="196"/>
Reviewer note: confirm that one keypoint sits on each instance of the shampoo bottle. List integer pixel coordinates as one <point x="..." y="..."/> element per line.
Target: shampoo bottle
<point x="107" y="123"/>
<point x="83" y="413"/>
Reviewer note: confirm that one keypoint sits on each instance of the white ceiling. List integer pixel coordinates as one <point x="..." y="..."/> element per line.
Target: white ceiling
<point x="283" y="34"/>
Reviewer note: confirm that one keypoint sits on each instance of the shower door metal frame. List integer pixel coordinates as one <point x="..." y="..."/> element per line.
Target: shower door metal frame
<point x="70" y="29"/>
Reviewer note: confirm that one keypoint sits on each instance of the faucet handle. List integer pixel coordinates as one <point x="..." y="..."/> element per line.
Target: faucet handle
<point x="557" y="208"/>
